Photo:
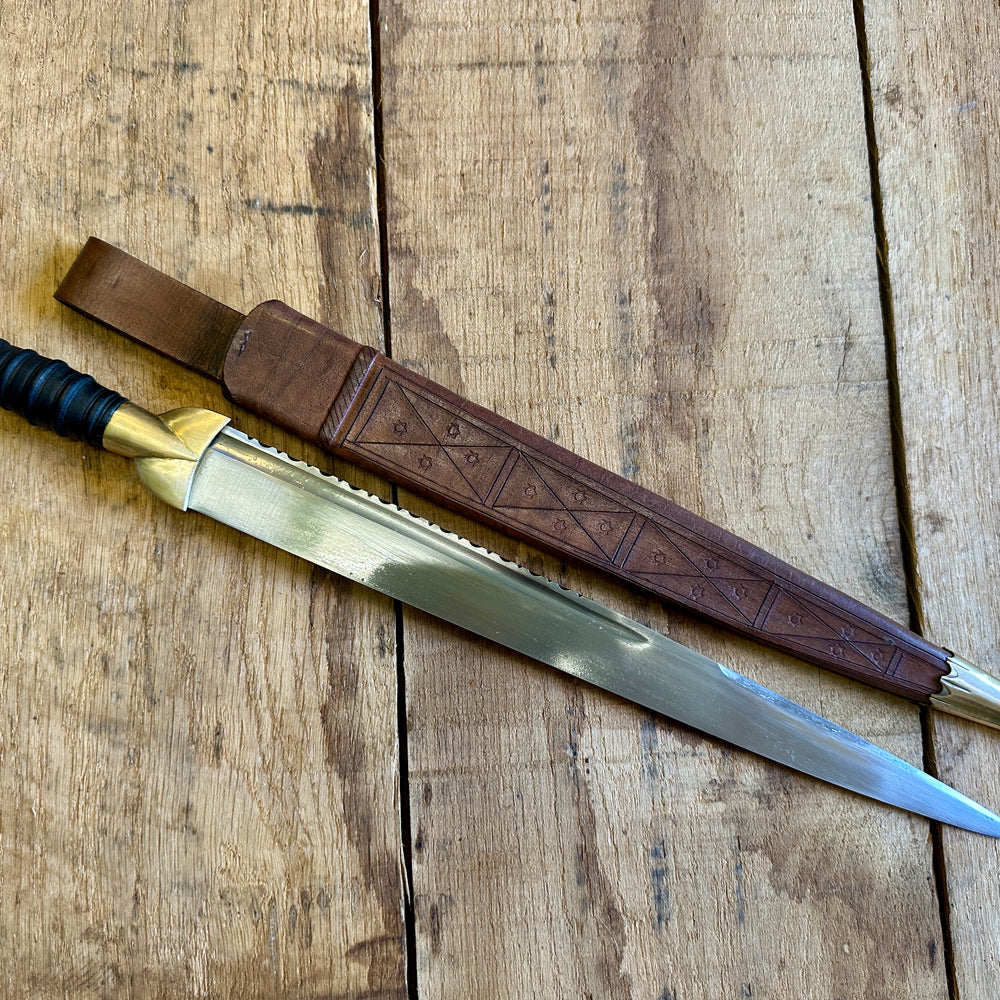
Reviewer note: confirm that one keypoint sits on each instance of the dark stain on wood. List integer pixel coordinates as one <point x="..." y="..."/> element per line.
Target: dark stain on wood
<point x="659" y="877"/>
<point x="343" y="719"/>
<point x="688" y="319"/>
<point x="598" y="895"/>
<point x="342" y="174"/>
<point x="434" y="919"/>
<point x="418" y="329"/>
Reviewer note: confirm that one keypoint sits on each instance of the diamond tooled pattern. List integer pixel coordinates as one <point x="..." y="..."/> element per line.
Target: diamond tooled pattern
<point x="432" y="441"/>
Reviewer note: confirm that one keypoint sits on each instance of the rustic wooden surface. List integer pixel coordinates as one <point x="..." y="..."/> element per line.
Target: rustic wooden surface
<point x="936" y="98"/>
<point x="648" y="232"/>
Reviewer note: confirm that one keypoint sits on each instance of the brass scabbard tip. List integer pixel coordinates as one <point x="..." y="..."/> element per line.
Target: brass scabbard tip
<point x="969" y="692"/>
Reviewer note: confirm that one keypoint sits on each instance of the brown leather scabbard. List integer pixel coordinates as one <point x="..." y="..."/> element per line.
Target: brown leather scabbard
<point x="361" y="405"/>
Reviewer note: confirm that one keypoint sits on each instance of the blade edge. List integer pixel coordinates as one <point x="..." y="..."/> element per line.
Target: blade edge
<point x="320" y="518"/>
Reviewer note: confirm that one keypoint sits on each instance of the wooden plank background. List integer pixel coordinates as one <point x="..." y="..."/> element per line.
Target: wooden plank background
<point x="935" y="97"/>
<point x="648" y="231"/>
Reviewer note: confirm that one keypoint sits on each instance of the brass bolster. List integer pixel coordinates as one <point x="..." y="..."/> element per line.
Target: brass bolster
<point x="166" y="448"/>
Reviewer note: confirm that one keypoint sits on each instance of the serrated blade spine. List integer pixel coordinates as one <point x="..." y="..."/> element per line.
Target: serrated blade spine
<point x="334" y="524"/>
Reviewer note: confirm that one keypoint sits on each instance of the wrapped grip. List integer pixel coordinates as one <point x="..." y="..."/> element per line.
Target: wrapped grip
<point x="50" y="394"/>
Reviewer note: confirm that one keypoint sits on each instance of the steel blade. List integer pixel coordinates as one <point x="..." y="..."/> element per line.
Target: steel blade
<point x="337" y="526"/>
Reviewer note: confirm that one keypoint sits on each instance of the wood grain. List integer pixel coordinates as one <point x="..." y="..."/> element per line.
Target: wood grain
<point x="198" y="760"/>
<point x="936" y="98"/>
<point x="645" y="232"/>
<point x="605" y="224"/>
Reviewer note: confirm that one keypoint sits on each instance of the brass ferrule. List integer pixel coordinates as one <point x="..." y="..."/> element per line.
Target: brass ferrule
<point x="166" y="448"/>
<point x="969" y="692"/>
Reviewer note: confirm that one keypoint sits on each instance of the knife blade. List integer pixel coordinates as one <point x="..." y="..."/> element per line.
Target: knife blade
<point x="193" y="460"/>
<point x="361" y="405"/>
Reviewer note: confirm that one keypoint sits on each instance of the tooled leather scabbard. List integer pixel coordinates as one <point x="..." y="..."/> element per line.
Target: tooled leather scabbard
<point x="361" y="405"/>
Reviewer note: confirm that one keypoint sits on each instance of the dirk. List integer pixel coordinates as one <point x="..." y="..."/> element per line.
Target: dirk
<point x="362" y="406"/>
<point x="193" y="460"/>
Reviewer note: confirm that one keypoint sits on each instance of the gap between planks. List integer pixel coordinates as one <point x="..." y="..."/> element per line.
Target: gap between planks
<point x="904" y="508"/>
<point x="381" y="202"/>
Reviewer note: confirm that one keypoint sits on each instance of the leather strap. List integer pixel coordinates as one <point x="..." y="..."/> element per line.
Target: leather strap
<point x="361" y="405"/>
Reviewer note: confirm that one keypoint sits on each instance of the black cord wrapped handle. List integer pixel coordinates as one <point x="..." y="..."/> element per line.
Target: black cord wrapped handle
<point x="50" y="394"/>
